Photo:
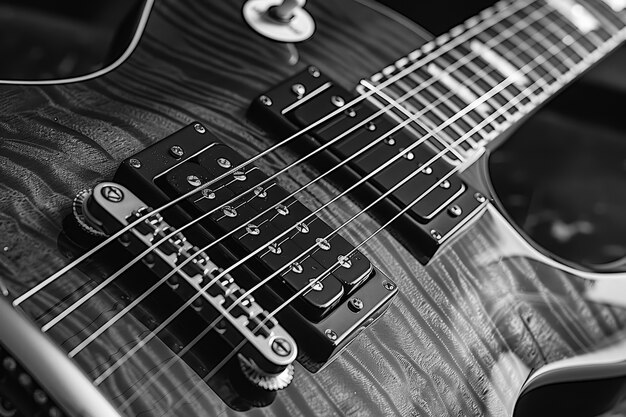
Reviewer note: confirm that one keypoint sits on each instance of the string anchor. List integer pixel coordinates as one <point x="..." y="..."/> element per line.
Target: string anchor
<point x="270" y="382"/>
<point x="282" y="21"/>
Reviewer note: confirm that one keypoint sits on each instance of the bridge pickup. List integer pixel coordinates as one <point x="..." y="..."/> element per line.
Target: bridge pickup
<point x="368" y="141"/>
<point x="248" y="213"/>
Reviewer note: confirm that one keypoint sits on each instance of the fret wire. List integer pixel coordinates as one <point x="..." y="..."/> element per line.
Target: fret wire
<point x="426" y="121"/>
<point x="497" y="100"/>
<point x="591" y="37"/>
<point x="559" y="36"/>
<point x="535" y="42"/>
<point x="423" y="122"/>
<point x="519" y="60"/>
<point x="454" y="131"/>
<point x="455" y="103"/>
<point x="542" y="32"/>
<point x="552" y="74"/>
<point x="569" y="28"/>
<point x="495" y="77"/>
<point x="439" y="110"/>
<point x="453" y="109"/>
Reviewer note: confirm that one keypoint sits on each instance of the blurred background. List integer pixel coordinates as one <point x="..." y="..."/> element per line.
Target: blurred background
<point x="560" y="177"/>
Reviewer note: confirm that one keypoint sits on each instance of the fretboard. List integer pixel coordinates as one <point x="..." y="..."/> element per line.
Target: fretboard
<point x="464" y="88"/>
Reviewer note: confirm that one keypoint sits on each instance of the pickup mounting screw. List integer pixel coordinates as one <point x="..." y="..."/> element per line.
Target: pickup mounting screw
<point x="389" y="140"/>
<point x="314" y="72"/>
<point x="193" y="180"/>
<point x="480" y="198"/>
<point x="208" y="193"/>
<point x="350" y="112"/>
<point x="337" y="101"/>
<point x="331" y="334"/>
<point x="427" y="170"/>
<point x="135" y="163"/>
<point x="445" y="184"/>
<point x="434" y="233"/>
<point x="371" y="126"/>
<point x="224" y="163"/>
<point x="389" y="286"/>
<point x="199" y="128"/>
<point x="176" y="151"/>
<point x="281" y="347"/>
<point x="265" y="100"/>
<point x="455" y="210"/>
<point x="355" y="304"/>
<point x="298" y="89"/>
<point x="302" y="227"/>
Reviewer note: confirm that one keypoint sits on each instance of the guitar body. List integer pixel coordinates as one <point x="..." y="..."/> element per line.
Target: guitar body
<point x="464" y="331"/>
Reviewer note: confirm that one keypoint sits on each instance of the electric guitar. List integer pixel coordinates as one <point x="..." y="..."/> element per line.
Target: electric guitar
<point x="265" y="209"/>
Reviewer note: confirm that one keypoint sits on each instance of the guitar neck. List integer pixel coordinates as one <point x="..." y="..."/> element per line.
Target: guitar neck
<point x="464" y="88"/>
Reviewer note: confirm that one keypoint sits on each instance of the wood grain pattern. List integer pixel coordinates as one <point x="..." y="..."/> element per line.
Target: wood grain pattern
<point x="459" y="339"/>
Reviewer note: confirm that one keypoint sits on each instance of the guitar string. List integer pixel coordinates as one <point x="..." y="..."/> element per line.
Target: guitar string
<point x="129" y="353"/>
<point x="320" y="278"/>
<point x="110" y="279"/>
<point x="200" y="336"/>
<point x="208" y="377"/>
<point x="500" y="12"/>
<point x="136" y="301"/>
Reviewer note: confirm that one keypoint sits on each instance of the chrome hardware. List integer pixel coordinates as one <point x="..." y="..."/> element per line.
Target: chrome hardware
<point x="194" y="181"/>
<point x="282" y="21"/>
<point x="270" y="382"/>
<point x="176" y="151"/>
<point x="299" y="90"/>
<point x="337" y="101"/>
<point x="331" y="334"/>
<point x="79" y="210"/>
<point x="356" y="304"/>
<point x="199" y="128"/>
<point x="224" y="163"/>
<point x="195" y="268"/>
<point x="434" y="233"/>
<point x="135" y="163"/>
<point x="266" y="100"/>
